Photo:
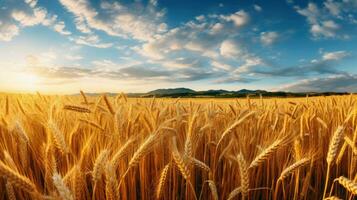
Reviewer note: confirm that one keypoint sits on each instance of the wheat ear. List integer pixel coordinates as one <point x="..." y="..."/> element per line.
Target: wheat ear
<point x="58" y="137"/>
<point x="351" y="144"/>
<point x="213" y="189"/>
<point x="7" y="106"/>
<point x="121" y="152"/>
<point x="108" y="104"/>
<point x="143" y="149"/>
<point x="17" y="179"/>
<point x="234" y="125"/>
<point x="99" y="165"/>
<point x="10" y="191"/>
<point x="79" y="183"/>
<point x="181" y="163"/>
<point x="332" y="198"/>
<point x="77" y="109"/>
<point x="266" y="153"/>
<point x="199" y="164"/>
<point x="92" y="124"/>
<point x="21" y="132"/>
<point x="84" y="97"/>
<point x="62" y="189"/>
<point x="234" y="193"/>
<point x="111" y="186"/>
<point x="350" y="185"/>
<point x="162" y="181"/>
<point x="293" y="167"/>
<point x="332" y="152"/>
<point x="244" y="175"/>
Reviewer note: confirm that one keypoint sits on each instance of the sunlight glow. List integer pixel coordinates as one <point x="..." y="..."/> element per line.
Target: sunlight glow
<point x="28" y="82"/>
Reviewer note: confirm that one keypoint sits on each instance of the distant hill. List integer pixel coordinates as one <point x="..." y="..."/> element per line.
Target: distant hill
<point x="171" y="91"/>
<point x="187" y="92"/>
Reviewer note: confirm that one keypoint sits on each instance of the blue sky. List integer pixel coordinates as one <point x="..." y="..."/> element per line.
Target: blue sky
<point x="63" y="46"/>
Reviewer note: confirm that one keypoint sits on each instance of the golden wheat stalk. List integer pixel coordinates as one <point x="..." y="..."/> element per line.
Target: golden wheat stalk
<point x="7" y="106"/>
<point x="181" y="163"/>
<point x="213" y="189"/>
<point x="267" y="152"/>
<point x="341" y="153"/>
<point x="99" y="165"/>
<point x="111" y="186"/>
<point x="322" y="122"/>
<point x="332" y="152"/>
<point x="188" y="147"/>
<point x="293" y="167"/>
<point x="124" y="97"/>
<point x="91" y="123"/>
<point x="21" y="132"/>
<point x="76" y="109"/>
<point x="17" y="179"/>
<point x="58" y="137"/>
<point x="84" y="97"/>
<point x="334" y="144"/>
<point x="79" y="183"/>
<point x="162" y="181"/>
<point x="234" y="193"/>
<point x="10" y="191"/>
<point x="124" y="149"/>
<point x="244" y="175"/>
<point x="108" y="104"/>
<point x="350" y="185"/>
<point x="332" y="198"/>
<point x="144" y="148"/>
<point x="188" y="143"/>
<point x="234" y="125"/>
<point x="20" y="107"/>
<point x="62" y="189"/>
<point x="9" y="161"/>
<point x="199" y="164"/>
<point x="351" y="144"/>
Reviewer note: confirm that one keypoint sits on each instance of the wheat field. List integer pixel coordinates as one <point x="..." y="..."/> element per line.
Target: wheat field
<point x="101" y="147"/>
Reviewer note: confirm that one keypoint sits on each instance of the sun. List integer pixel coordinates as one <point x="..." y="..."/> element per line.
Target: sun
<point x="28" y="82"/>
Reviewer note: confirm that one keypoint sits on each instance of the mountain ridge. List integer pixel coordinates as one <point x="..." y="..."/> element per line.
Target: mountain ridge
<point x="220" y="93"/>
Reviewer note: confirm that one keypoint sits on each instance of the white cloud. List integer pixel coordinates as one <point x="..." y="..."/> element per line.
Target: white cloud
<point x="217" y="27"/>
<point x="336" y="55"/>
<point x="268" y="38"/>
<point x="60" y="28"/>
<point x="25" y="13"/>
<point x="177" y="64"/>
<point x="257" y="8"/>
<point x="91" y="40"/>
<point x="116" y="19"/>
<point x="333" y="7"/>
<point x="333" y="83"/>
<point x="8" y="31"/>
<point x="239" y="18"/>
<point x="73" y="57"/>
<point x="152" y="50"/>
<point x="219" y="65"/>
<point x="326" y="29"/>
<point x="249" y="62"/>
<point x="200" y="18"/>
<point x="319" y="27"/>
<point x="25" y="19"/>
<point x="230" y="49"/>
<point x="330" y="19"/>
